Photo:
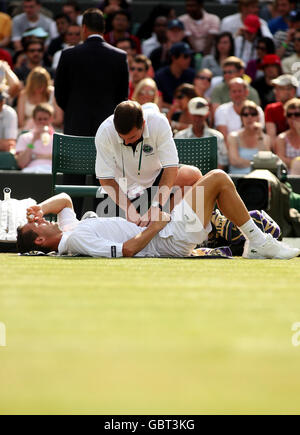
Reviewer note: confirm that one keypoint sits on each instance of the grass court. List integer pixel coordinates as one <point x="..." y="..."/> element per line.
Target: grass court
<point x="149" y="336"/>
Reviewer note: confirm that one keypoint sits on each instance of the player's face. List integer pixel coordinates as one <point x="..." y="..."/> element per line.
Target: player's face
<point x="42" y="228"/>
<point x="133" y="137"/>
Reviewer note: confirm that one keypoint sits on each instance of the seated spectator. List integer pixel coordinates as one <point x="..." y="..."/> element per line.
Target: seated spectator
<point x="282" y="8"/>
<point x="243" y="144"/>
<point x="8" y="124"/>
<point x="199" y="110"/>
<point x="294" y="59"/>
<point x="72" y="38"/>
<point x="129" y="46"/>
<point x="264" y="46"/>
<point x="139" y="70"/>
<point x="284" y="40"/>
<point x="109" y="7"/>
<point x="232" y="67"/>
<point x="161" y="57"/>
<point x="72" y="9"/>
<point x="5" y="30"/>
<point x="179" y="116"/>
<point x="31" y="17"/>
<point x="34" y="148"/>
<point x="200" y="26"/>
<point x="288" y="142"/>
<point x="8" y="80"/>
<point x="178" y="72"/>
<point x="158" y="36"/>
<point x="202" y="82"/>
<point x="38" y="90"/>
<point x="264" y="85"/>
<point x="246" y="39"/>
<point x="232" y="23"/>
<point x="62" y="23"/>
<point x="285" y="88"/>
<point x="227" y="116"/>
<point x="120" y="25"/>
<point x="224" y="47"/>
<point x="34" y="51"/>
<point x="146" y="92"/>
<point x="161" y="10"/>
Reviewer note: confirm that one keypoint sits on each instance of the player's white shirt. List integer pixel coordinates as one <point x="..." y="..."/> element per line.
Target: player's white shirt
<point x="104" y="237"/>
<point x="116" y="160"/>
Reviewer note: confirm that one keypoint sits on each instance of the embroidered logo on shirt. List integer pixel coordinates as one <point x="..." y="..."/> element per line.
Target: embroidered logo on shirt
<point x="148" y="149"/>
<point x="113" y="252"/>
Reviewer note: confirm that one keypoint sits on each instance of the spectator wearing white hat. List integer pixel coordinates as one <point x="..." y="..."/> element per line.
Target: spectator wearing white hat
<point x="285" y="88"/>
<point x="199" y="110"/>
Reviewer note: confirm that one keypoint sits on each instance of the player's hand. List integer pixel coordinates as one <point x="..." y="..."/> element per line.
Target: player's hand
<point x="34" y="213"/>
<point x="152" y="215"/>
<point x="163" y="219"/>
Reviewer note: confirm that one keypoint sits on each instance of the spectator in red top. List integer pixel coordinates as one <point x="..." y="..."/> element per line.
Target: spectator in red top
<point x="120" y="25"/>
<point x="5" y="55"/>
<point x="285" y="88"/>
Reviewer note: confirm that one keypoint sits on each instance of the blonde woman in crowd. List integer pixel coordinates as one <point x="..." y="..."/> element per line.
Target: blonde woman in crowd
<point x="38" y="89"/>
<point x="288" y="143"/>
<point x="243" y="144"/>
<point x="146" y="92"/>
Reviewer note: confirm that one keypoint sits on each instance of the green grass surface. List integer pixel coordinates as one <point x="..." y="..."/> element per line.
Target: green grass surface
<point x="149" y="336"/>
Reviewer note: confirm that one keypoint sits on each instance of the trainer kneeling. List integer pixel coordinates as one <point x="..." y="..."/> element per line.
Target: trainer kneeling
<point x="135" y="152"/>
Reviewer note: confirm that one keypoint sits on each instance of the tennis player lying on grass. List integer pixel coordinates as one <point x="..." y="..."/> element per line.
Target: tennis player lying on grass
<point x="174" y="235"/>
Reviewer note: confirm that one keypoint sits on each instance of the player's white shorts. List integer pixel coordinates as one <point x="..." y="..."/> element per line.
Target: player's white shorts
<point x="183" y="233"/>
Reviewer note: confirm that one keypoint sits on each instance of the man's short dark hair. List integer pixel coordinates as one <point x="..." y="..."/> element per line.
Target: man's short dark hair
<point x="38" y="2"/>
<point x="62" y="16"/>
<point x="93" y="19"/>
<point x="121" y="12"/>
<point x="25" y="242"/>
<point x="74" y="5"/>
<point x="127" y="115"/>
<point x="141" y="58"/>
<point x="32" y="40"/>
<point x="131" y="42"/>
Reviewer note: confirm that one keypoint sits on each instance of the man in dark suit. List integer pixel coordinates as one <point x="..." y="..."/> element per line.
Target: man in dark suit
<point x="91" y="78"/>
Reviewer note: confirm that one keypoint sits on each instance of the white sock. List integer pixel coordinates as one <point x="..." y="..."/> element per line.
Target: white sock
<point x="253" y="233"/>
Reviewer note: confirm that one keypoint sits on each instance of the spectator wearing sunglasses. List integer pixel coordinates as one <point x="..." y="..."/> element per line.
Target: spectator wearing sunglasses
<point x="285" y="88"/>
<point x="146" y="92"/>
<point x="288" y="142"/>
<point x="139" y="70"/>
<point x="288" y="62"/>
<point x="227" y="116"/>
<point x="34" y="52"/>
<point x="224" y="47"/>
<point x="202" y="82"/>
<point x="244" y="143"/>
<point x="264" y="46"/>
<point x="177" y="73"/>
<point x="179" y="115"/>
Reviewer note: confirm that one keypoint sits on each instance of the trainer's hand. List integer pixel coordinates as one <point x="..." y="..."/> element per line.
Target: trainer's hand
<point x="163" y="220"/>
<point x="133" y="216"/>
<point x="34" y="213"/>
<point x="152" y="215"/>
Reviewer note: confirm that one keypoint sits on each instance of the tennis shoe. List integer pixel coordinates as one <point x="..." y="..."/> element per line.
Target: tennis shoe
<point x="271" y="248"/>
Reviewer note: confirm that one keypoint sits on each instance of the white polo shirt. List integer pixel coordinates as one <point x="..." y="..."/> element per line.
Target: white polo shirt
<point x="156" y="151"/>
<point x="8" y="123"/>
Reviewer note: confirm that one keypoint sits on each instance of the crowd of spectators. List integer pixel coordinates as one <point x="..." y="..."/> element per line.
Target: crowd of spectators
<point x="235" y="78"/>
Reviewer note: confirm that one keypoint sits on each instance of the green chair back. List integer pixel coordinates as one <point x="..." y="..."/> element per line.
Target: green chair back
<point x="77" y="155"/>
<point x="202" y="153"/>
<point x="8" y="161"/>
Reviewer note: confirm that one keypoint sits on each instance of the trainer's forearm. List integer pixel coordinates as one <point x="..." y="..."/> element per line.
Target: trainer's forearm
<point x="116" y="193"/>
<point x="165" y="185"/>
<point x="56" y="204"/>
